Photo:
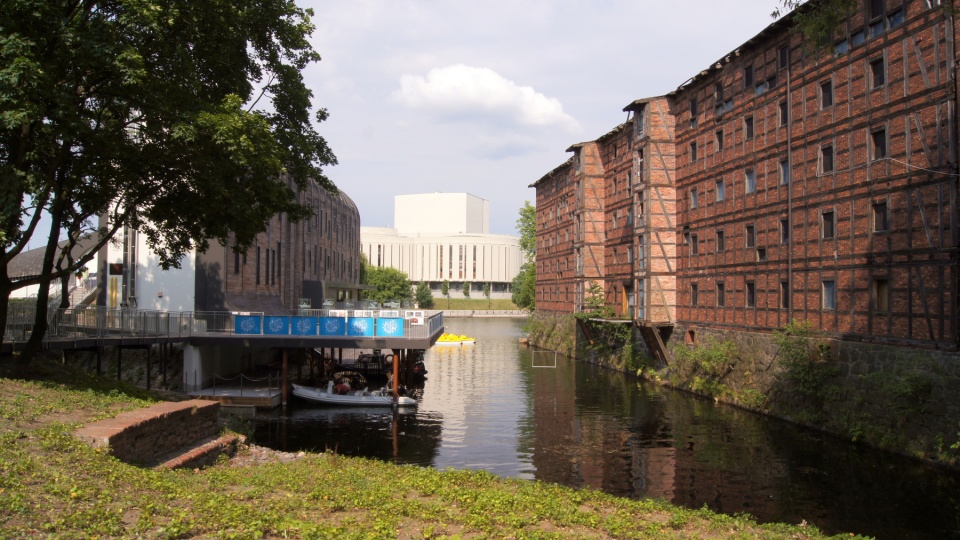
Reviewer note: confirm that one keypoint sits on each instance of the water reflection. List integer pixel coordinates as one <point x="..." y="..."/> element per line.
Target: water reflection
<point x="486" y="406"/>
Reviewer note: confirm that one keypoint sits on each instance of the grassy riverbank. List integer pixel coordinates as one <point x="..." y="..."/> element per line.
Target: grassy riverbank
<point x="473" y="303"/>
<point x="52" y="485"/>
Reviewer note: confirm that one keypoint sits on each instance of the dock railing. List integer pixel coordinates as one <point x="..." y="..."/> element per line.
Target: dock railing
<point x="87" y="322"/>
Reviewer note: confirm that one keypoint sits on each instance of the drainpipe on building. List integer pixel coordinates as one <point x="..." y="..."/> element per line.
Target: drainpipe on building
<point x="789" y="195"/>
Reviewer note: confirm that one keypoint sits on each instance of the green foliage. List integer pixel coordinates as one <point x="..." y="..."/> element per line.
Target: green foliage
<point x="486" y="292"/>
<point x="703" y="366"/>
<point x="362" y="271"/>
<point x="525" y="287"/>
<point x="423" y="296"/>
<point x="818" y="25"/>
<point x="391" y="285"/>
<point x="595" y="303"/>
<point x="445" y="290"/>
<point x="804" y="359"/>
<point x="466" y="289"/>
<point x="527" y="229"/>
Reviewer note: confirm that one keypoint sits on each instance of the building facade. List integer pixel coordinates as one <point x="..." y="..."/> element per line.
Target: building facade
<point x="288" y="267"/>
<point x="445" y="237"/>
<point x="788" y="183"/>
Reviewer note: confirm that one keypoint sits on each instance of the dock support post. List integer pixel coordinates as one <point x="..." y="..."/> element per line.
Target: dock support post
<point x="396" y="378"/>
<point x="285" y="382"/>
<point x="119" y="356"/>
<point x="149" y="351"/>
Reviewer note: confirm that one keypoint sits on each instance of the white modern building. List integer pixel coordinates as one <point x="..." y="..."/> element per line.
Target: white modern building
<point x="441" y="237"/>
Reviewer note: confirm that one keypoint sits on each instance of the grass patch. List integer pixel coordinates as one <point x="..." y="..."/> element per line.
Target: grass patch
<point x="53" y="485"/>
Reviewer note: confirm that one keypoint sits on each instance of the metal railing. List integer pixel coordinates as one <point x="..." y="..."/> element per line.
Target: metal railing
<point x="100" y="322"/>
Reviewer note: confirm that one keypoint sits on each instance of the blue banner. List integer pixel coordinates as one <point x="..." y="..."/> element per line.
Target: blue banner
<point x="360" y="326"/>
<point x="276" y="325"/>
<point x="332" y="326"/>
<point x="303" y="326"/>
<point x="247" y="324"/>
<point x="390" y="327"/>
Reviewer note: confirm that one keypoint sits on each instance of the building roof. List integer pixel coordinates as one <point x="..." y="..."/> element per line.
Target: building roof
<point x="566" y="163"/>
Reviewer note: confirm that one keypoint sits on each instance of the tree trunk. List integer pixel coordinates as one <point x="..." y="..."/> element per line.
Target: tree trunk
<point x="35" y="343"/>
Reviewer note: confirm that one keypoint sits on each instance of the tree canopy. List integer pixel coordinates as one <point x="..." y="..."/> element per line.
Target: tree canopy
<point x="524" y="285"/>
<point x="391" y="284"/>
<point x="189" y="121"/>
<point x="423" y="296"/>
<point x="527" y="227"/>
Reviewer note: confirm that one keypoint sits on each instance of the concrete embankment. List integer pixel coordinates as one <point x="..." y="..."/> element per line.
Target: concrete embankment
<point x="477" y="313"/>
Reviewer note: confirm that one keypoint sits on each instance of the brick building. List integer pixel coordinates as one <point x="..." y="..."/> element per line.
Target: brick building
<point x="317" y="260"/>
<point x="816" y="185"/>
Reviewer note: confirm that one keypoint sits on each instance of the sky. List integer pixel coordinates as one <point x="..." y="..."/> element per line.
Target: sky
<point x="485" y="97"/>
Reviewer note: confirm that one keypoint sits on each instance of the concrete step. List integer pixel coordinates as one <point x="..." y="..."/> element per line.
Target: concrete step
<point x="205" y="452"/>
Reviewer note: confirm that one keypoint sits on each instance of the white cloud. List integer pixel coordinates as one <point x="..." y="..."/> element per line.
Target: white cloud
<point x="460" y="91"/>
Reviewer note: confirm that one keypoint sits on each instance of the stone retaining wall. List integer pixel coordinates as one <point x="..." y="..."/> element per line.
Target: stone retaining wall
<point x="145" y="435"/>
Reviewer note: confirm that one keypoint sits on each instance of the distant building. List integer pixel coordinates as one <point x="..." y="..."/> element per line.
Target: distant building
<point x="445" y="237"/>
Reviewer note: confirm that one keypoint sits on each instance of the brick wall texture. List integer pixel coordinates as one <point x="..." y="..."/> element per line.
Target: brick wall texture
<point x="782" y="182"/>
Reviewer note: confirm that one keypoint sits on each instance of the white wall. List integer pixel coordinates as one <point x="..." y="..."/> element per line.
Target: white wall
<point x="441" y="213"/>
<point x="164" y="290"/>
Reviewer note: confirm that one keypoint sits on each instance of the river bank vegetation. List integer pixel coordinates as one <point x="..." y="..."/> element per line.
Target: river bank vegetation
<point x="53" y="485"/>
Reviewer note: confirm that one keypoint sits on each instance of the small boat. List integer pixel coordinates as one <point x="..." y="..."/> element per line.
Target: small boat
<point x="353" y="398"/>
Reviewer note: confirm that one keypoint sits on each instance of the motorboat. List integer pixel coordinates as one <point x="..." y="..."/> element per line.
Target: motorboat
<point x="351" y="398"/>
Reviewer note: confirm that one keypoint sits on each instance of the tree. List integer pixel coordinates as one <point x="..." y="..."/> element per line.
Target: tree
<point x="524" y="285"/>
<point x="362" y="272"/>
<point x="466" y="289"/>
<point x="486" y="292"/>
<point x="423" y="296"/>
<point x="445" y="290"/>
<point x="527" y="227"/>
<point x="391" y="285"/>
<point x="188" y="121"/>
<point x="817" y="22"/>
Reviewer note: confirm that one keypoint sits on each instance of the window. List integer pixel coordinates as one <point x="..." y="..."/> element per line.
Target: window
<point x="694" y="198"/>
<point x="747" y="77"/>
<point x="878" y="144"/>
<point x="784" y="295"/>
<point x="784" y="113"/>
<point x="694" y="294"/>
<point x="236" y="260"/>
<point x="694" y="245"/>
<point x="858" y="38"/>
<point x="693" y="151"/>
<point x="895" y="19"/>
<point x="880" y="221"/>
<point x="693" y="112"/>
<point x="784" y="172"/>
<point x="784" y="231"/>
<point x="880" y="295"/>
<point x="751" y="295"/>
<point x="876" y="8"/>
<point x="748" y="128"/>
<point x="783" y="57"/>
<point x="719" y="139"/>
<point x="826" y="159"/>
<point x="827" y="224"/>
<point x="721" y="295"/>
<point x="826" y="94"/>
<point x="841" y="47"/>
<point x="749" y="237"/>
<point x="721" y="192"/>
<point x="877" y="73"/>
<point x="720" y="242"/>
<point x="829" y="294"/>
<point x="761" y="254"/>
<point x="749" y="181"/>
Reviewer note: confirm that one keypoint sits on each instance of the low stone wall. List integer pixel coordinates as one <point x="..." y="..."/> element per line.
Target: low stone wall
<point x="144" y="436"/>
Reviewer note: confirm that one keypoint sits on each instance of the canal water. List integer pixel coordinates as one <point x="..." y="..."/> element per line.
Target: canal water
<point x="514" y="412"/>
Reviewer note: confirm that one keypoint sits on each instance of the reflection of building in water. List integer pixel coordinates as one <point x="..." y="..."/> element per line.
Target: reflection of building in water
<point x="647" y="451"/>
